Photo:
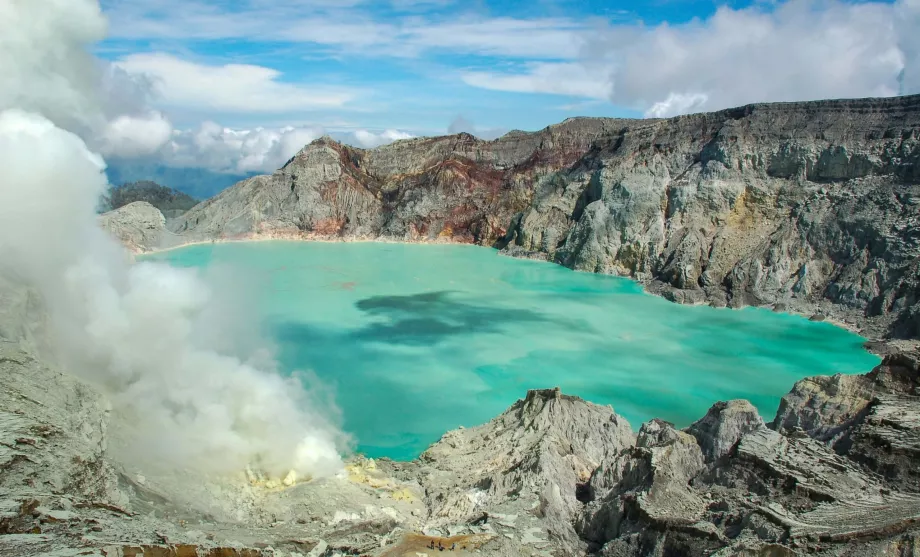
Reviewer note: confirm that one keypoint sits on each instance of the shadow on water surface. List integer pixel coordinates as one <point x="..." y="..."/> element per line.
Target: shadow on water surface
<point x="431" y="317"/>
<point x="415" y="356"/>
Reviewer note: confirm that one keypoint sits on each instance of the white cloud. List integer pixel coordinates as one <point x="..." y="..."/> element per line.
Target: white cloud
<point x="368" y="139"/>
<point x="135" y="136"/>
<point x="47" y="69"/>
<point x="795" y="50"/>
<point x="579" y="80"/>
<point x="223" y="149"/>
<point x="800" y="50"/>
<point x="227" y="88"/>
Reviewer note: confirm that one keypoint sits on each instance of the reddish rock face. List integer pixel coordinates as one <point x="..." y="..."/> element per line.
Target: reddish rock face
<point x="455" y="188"/>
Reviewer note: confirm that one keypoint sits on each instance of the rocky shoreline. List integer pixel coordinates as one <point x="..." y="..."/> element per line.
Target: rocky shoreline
<point x="122" y="227"/>
<point x="833" y="474"/>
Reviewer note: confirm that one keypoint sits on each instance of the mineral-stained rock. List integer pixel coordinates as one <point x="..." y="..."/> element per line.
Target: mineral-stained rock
<point x="455" y="187"/>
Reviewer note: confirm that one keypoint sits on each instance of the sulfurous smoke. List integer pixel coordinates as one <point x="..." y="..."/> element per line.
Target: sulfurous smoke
<point x="136" y="330"/>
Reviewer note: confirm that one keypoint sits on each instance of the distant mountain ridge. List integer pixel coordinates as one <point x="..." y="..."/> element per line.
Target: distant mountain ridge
<point x="199" y="183"/>
<point x="170" y="202"/>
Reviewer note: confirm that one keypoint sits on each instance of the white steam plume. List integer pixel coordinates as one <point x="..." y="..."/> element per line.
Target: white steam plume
<point x="47" y="69"/>
<point x="134" y="330"/>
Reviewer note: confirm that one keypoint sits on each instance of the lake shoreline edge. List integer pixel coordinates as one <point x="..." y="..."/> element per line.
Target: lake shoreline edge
<point x="874" y="342"/>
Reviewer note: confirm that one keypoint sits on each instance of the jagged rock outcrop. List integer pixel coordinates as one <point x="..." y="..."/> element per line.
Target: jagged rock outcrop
<point x="553" y="475"/>
<point x="873" y="419"/>
<point x="526" y="469"/>
<point x="757" y="491"/>
<point x="810" y="207"/>
<point x="725" y="423"/>
<point x="139" y="226"/>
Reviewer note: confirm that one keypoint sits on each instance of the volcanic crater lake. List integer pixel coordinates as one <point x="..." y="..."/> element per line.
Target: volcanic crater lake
<point x="414" y="340"/>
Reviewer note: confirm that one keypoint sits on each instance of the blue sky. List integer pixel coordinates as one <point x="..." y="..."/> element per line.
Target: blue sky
<point x="415" y="66"/>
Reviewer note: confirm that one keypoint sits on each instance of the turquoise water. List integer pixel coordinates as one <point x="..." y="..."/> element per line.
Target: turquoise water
<point x="414" y="340"/>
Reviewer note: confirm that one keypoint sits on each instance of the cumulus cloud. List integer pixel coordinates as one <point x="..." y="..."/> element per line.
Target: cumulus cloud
<point x="799" y="50"/>
<point x="46" y="69"/>
<point x="793" y="50"/>
<point x="135" y="136"/>
<point x="368" y="139"/>
<point x="227" y="87"/>
<point x="580" y="80"/>
<point x="146" y="334"/>
<point x="224" y="149"/>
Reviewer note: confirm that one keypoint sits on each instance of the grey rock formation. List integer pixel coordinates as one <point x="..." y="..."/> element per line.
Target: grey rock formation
<point x="724" y="425"/>
<point x="525" y="468"/>
<point x="873" y="419"/>
<point x="139" y="226"/>
<point x="772" y="494"/>
<point x="455" y="187"/>
<point x="809" y="205"/>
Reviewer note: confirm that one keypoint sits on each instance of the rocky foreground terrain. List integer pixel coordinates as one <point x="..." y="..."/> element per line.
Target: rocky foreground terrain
<point x="835" y="474"/>
<point x="811" y="207"/>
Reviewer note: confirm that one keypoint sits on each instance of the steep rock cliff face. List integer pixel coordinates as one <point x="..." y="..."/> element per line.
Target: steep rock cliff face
<point x="762" y="204"/>
<point x="454" y="187"/>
